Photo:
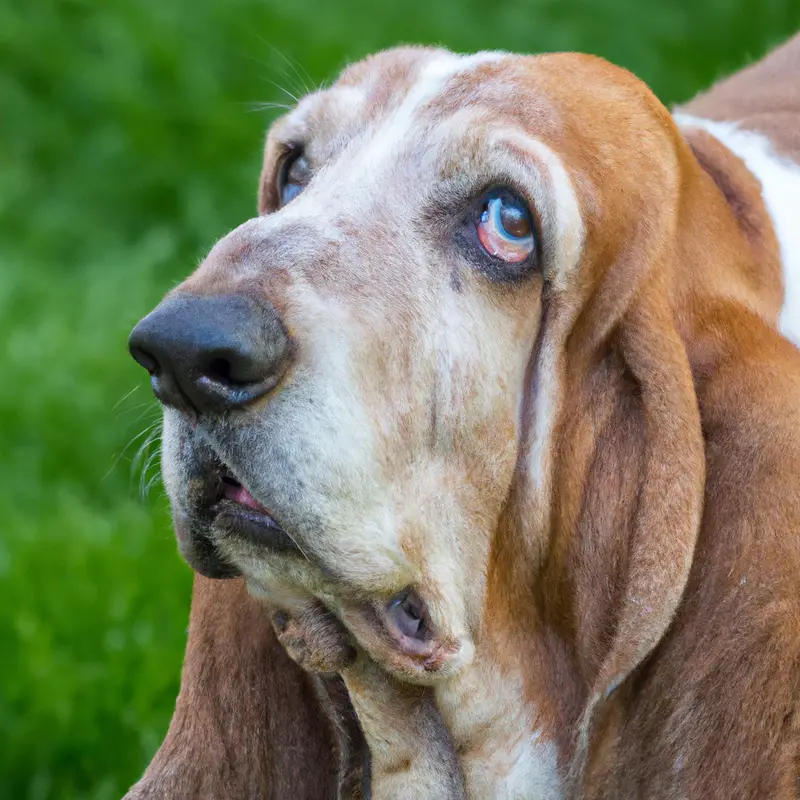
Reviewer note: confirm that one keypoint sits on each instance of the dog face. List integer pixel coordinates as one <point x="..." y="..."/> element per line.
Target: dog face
<point x="354" y="380"/>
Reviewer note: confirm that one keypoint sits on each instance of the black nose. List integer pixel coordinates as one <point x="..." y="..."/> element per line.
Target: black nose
<point x="211" y="354"/>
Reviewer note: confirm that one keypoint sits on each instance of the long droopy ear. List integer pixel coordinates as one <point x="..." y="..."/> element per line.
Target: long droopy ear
<point x="610" y="494"/>
<point x="631" y="563"/>
<point x="666" y="510"/>
<point x="628" y="462"/>
<point x="248" y="722"/>
<point x="636" y="509"/>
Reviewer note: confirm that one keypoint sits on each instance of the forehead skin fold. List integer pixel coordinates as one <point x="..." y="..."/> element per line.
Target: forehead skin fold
<point x="586" y="110"/>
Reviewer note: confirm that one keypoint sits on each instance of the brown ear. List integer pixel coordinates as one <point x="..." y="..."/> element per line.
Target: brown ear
<point x="629" y="474"/>
<point x="670" y="490"/>
<point x="634" y="496"/>
<point x="595" y="554"/>
<point x="615" y="502"/>
<point x="248" y="721"/>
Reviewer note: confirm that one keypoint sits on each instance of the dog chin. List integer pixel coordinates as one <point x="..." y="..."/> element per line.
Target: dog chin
<point x="210" y="506"/>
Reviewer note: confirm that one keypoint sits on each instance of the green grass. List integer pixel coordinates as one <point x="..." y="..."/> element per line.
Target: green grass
<point x="126" y="148"/>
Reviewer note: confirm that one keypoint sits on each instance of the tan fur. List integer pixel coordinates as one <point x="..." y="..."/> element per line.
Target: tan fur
<point x="743" y="193"/>
<point x="590" y="476"/>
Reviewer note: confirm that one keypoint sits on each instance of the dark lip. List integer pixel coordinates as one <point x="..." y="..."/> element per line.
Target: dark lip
<point x="251" y="525"/>
<point x="203" y="557"/>
<point x="206" y="515"/>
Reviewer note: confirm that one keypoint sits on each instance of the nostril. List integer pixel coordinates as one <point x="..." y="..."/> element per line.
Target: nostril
<point x="221" y="370"/>
<point x="145" y="359"/>
<point x="236" y="368"/>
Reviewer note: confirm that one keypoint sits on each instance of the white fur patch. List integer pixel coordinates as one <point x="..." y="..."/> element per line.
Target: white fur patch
<point x="503" y="754"/>
<point x="401" y="125"/>
<point x="780" y="188"/>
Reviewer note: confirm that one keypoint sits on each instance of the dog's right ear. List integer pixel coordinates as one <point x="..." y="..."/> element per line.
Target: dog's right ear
<point x="248" y="721"/>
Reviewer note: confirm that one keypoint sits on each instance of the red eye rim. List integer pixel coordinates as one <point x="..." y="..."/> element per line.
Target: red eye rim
<point x="491" y="229"/>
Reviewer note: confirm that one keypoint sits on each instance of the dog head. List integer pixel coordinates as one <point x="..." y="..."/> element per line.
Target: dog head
<point x="367" y="387"/>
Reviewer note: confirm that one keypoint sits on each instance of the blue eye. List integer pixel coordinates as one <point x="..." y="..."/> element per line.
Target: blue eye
<point x="293" y="178"/>
<point x="505" y="227"/>
<point x="290" y="191"/>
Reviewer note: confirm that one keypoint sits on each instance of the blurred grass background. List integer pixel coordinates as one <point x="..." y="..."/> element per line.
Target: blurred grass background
<point x="128" y="144"/>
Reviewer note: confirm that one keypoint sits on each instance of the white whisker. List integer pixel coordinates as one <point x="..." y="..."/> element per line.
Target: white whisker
<point x="124" y="397"/>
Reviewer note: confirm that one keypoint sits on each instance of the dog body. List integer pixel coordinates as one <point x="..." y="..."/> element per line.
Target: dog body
<point x="561" y="502"/>
<point x="754" y="115"/>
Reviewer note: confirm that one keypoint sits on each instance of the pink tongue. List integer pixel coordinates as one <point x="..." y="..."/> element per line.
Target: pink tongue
<point x="240" y="495"/>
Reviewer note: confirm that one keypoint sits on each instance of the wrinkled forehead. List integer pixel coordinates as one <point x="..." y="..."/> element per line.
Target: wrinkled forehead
<point x="410" y="107"/>
<point x="409" y="103"/>
<point x="410" y="127"/>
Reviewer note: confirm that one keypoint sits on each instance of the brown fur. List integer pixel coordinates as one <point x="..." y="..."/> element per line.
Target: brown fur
<point x="248" y="722"/>
<point x="648" y="583"/>
<point x="743" y="194"/>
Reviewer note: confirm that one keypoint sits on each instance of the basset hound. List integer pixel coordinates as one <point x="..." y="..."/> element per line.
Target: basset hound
<point x="492" y="418"/>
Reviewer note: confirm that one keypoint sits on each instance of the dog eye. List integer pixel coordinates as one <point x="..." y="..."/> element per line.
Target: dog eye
<point x="293" y="177"/>
<point x="505" y="226"/>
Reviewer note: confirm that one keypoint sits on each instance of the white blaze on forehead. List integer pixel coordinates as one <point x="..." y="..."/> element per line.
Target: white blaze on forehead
<point x="383" y="145"/>
<point x="348" y="98"/>
<point x="401" y="124"/>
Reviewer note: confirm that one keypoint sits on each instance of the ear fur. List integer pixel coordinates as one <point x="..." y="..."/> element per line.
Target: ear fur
<point x="630" y="476"/>
<point x="646" y="454"/>
<point x="248" y="722"/>
<point x="671" y="489"/>
<point x="619" y="513"/>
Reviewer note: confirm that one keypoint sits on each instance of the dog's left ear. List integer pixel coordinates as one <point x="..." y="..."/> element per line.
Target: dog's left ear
<point x="609" y="499"/>
<point x="628" y="486"/>
<point x="628" y="478"/>
<point x="643" y="494"/>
